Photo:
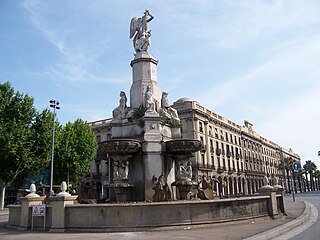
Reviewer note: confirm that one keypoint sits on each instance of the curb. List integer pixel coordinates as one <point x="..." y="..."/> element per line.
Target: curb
<point x="275" y="232"/>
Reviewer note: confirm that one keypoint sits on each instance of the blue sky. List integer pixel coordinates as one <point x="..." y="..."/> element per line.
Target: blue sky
<point x="246" y="60"/>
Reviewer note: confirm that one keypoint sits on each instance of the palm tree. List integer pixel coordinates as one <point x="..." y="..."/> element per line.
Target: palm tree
<point x="310" y="167"/>
<point x="317" y="177"/>
<point x="284" y="166"/>
<point x="300" y="178"/>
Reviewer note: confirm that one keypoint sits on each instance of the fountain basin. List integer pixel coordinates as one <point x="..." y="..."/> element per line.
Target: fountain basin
<point x="120" y="146"/>
<point x="183" y="146"/>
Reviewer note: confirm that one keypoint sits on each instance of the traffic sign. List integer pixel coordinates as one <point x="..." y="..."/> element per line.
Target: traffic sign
<point x="296" y="166"/>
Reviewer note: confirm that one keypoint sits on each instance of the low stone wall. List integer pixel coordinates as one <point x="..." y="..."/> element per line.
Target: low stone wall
<point x="63" y="216"/>
<point x="15" y="215"/>
<point x="141" y="216"/>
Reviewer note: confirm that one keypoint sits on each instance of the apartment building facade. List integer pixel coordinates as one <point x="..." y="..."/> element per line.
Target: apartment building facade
<point x="235" y="156"/>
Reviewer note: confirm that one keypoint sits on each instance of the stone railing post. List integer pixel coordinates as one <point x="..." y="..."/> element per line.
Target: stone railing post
<point x="272" y="205"/>
<point x="59" y="203"/>
<point x="279" y="190"/>
<point x="272" y="202"/>
<point x="31" y="199"/>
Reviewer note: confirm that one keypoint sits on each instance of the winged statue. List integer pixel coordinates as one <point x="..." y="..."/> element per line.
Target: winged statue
<point x="139" y="31"/>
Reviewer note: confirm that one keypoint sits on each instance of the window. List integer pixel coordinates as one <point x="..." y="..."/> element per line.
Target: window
<point x="201" y="127"/>
<point x="221" y="134"/>
<point x="216" y="133"/>
<point x="211" y="146"/>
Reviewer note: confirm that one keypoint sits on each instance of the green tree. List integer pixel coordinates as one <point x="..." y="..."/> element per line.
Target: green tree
<point x="76" y="148"/>
<point x="300" y="178"/>
<point x="317" y="177"/>
<point x="18" y="145"/>
<point x="310" y="167"/>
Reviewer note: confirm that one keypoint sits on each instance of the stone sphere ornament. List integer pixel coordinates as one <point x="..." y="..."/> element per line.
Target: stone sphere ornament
<point x="33" y="190"/>
<point x="63" y="188"/>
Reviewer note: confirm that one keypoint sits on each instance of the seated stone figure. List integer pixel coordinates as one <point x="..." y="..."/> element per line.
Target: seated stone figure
<point x="193" y="193"/>
<point x="169" y="111"/>
<point x="121" y="111"/>
<point x="150" y="101"/>
<point x="206" y="191"/>
<point x="161" y="189"/>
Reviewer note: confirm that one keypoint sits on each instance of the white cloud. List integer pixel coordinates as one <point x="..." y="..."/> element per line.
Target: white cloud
<point x="285" y="68"/>
<point x="295" y="124"/>
<point x="252" y="21"/>
<point x="77" y="56"/>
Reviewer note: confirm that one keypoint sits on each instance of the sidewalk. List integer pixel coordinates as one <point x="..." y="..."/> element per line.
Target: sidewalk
<point x="4" y="211"/>
<point x="251" y="229"/>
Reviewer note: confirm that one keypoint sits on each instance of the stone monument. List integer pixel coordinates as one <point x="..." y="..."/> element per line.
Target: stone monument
<point x="140" y="130"/>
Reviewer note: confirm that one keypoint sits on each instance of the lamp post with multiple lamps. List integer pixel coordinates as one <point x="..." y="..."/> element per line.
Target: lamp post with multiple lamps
<point x="55" y="105"/>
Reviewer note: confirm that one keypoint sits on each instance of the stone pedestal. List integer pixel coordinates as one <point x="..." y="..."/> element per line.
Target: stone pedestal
<point x="184" y="188"/>
<point x="58" y="211"/>
<point x="26" y="214"/>
<point x="122" y="190"/>
<point x="272" y="203"/>
<point x="152" y="153"/>
<point x="144" y="73"/>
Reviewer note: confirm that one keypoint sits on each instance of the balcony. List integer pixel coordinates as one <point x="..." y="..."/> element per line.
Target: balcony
<point x="240" y="171"/>
<point x="221" y="169"/>
<point x="255" y="173"/>
<point x="231" y="170"/>
<point x="205" y="166"/>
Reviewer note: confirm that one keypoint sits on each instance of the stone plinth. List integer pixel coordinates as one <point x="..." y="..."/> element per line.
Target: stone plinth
<point x="152" y="153"/>
<point x="144" y="73"/>
<point x="122" y="190"/>
<point x="58" y="211"/>
<point x="26" y="203"/>
<point x="272" y="203"/>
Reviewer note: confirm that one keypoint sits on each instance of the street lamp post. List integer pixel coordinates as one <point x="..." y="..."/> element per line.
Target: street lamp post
<point x="55" y="105"/>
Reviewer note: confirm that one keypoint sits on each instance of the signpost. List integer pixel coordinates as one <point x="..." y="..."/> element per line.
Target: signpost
<point x="295" y="169"/>
<point x="39" y="211"/>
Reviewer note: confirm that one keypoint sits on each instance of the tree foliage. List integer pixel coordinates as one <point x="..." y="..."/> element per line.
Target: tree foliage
<point x="310" y="167"/>
<point x="16" y="139"/>
<point x="75" y="150"/>
<point x="26" y="141"/>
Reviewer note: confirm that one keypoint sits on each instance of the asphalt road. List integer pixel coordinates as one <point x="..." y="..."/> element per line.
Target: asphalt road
<point x="313" y="232"/>
<point x="4" y="219"/>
